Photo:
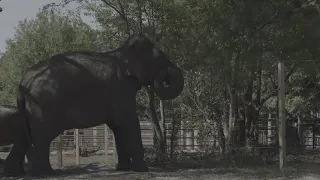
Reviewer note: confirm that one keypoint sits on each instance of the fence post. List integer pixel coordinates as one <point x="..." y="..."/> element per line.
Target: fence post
<point x="195" y="141"/>
<point x="314" y="136"/>
<point x="189" y="138"/>
<point x="59" y="150"/>
<point x="282" y="118"/>
<point x="106" y="140"/>
<point x="76" y="134"/>
<point x="269" y="134"/>
<point x="94" y="135"/>
<point x="114" y="148"/>
<point x="300" y="131"/>
<point x="182" y="135"/>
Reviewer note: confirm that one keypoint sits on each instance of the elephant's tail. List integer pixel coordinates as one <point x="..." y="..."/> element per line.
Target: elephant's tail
<point x="21" y="103"/>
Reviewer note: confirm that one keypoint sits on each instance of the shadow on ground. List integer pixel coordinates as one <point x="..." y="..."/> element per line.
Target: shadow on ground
<point x="208" y="169"/>
<point x="65" y="172"/>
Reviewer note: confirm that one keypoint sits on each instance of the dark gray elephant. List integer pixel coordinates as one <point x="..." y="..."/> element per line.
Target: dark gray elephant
<point x="11" y="124"/>
<point x="84" y="89"/>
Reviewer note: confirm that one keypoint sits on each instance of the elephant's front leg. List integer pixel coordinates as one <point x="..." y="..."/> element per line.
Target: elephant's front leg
<point x="135" y="146"/>
<point x="129" y="145"/>
<point x="127" y="126"/>
<point x="124" y="162"/>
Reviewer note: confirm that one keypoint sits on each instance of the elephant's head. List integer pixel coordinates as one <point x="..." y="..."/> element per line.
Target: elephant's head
<point x="150" y="66"/>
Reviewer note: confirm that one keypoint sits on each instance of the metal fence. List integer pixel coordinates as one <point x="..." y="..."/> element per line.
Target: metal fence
<point x="94" y="139"/>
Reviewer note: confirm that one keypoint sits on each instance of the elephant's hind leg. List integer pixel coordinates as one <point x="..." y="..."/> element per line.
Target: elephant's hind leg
<point x="14" y="162"/>
<point x="40" y="161"/>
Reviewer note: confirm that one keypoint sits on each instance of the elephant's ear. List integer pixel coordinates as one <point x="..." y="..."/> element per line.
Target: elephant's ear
<point x="139" y="57"/>
<point x="140" y="47"/>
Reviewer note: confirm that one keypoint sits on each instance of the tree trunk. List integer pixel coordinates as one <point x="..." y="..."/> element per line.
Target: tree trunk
<point x="225" y="116"/>
<point x="232" y="117"/>
<point x="237" y="122"/>
<point x="249" y="109"/>
<point x="221" y="138"/>
<point x="163" y="127"/>
<point x="257" y="104"/>
<point x="233" y="100"/>
<point x="174" y="131"/>
<point x="159" y="139"/>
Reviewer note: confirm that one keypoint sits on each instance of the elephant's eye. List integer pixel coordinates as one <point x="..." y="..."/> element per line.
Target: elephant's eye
<point x="155" y="53"/>
<point x="165" y="84"/>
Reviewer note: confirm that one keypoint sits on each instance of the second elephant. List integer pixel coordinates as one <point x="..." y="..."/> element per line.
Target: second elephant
<point x="10" y="124"/>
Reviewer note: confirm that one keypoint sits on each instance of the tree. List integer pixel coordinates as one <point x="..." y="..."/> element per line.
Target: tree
<point x="227" y="49"/>
<point x="38" y="39"/>
<point x="1" y="8"/>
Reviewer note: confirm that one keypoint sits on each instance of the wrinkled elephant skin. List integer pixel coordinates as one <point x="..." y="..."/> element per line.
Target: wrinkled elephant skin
<point x="10" y="124"/>
<point x="84" y="89"/>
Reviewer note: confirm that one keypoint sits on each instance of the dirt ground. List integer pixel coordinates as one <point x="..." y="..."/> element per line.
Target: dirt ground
<point x="307" y="167"/>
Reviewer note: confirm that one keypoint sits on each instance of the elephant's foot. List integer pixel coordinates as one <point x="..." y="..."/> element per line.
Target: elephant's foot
<point x="124" y="166"/>
<point x="42" y="171"/>
<point x="13" y="167"/>
<point x="139" y="166"/>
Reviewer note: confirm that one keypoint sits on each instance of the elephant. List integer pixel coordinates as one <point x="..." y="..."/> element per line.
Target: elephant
<point x="11" y="124"/>
<point x="82" y="89"/>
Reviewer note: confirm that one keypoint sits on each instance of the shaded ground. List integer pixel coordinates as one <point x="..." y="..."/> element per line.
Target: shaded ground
<point x="94" y="167"/>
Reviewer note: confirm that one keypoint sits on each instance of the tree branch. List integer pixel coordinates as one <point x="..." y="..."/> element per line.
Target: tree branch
<point x="274" y="93"/>
<point x="140" y="15"/>
<point x="121" y="13"/>
<point x="271" y="20"/>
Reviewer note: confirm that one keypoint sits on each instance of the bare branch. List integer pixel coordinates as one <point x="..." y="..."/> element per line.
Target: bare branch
<point x="140" y="15"/>
<point x="124" y="17"/>
<point x="291" y="71"/>
<point x="271" y="20"/>
<point x="121" y="13"/>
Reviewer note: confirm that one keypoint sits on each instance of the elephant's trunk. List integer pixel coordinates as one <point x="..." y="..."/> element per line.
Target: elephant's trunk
<point x="168" y="83"/>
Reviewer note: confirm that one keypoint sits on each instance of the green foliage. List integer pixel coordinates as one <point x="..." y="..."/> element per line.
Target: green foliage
<point x="228" y="50"/>
<point x="37" y="39"/>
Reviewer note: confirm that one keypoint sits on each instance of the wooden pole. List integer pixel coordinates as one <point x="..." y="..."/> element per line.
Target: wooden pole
<point x="282" y="117"/>
<point x="269" y="134"/>
<point x="106" y="138"/>
<point x="183" y="130"/>
<point x="95" y="134"/>
<point x="59" y="150"/>
<point x="76" y="134"/>
<point x="195" y="141"/>
<point x="300" y="131"/>
<point x="114" y="148"/>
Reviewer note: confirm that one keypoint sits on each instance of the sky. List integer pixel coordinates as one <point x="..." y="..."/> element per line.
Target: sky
<point x="15" y="11"/>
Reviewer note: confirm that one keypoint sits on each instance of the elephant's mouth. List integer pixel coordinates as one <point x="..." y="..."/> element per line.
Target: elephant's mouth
<point x="165" y="84"/>
<point x="168" y="83"/>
